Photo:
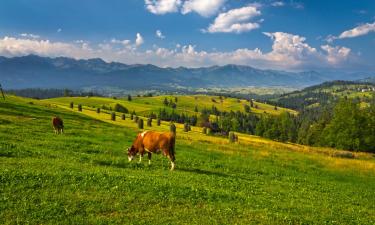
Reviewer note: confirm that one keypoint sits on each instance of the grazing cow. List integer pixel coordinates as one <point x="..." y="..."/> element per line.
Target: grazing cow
<point x="153" y="142"/>
<point x="58" y="125"/>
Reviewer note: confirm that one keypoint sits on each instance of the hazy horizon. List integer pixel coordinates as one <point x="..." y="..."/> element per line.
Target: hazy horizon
<point x="277" y="35"/>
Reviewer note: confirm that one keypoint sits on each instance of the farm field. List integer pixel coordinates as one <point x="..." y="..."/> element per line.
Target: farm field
<point x="83" y="177"/>
<point x="185" y="104"/>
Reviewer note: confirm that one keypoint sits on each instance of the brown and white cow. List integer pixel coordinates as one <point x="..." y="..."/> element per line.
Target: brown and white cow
<point x="153" y="142"/>
<point x="58" y="125"/>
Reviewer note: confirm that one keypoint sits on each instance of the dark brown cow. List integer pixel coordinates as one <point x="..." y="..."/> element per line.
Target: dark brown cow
<point x="58" y="125"/>
<point x="153" y="142"/>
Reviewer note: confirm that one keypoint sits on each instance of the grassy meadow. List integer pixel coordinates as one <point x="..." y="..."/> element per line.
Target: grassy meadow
<point x="185" y="104"/>
<point x="83" y="177"/>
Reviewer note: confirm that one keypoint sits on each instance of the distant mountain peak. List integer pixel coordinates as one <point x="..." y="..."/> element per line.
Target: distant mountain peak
<point x="60" y="72"/>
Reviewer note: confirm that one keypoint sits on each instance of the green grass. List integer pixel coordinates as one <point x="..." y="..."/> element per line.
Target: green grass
<point x="83" y="177"/>
<point x="185" y="104"/>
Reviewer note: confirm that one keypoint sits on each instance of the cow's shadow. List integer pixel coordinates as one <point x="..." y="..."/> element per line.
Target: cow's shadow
<point x="205" y="172"/>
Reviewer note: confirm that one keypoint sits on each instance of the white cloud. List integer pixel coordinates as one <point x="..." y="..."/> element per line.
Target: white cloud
<point x="162" y="6"/>
<point x="355" y="32"/>
<point x="235" y="21"/>
<point x="139" y="40"/>
<point x="277" y="4"/>
<point x="159" y="34"/>
<point x="291" y="49"/>
<point x="204" y="8"/>
<point x="336" y="54"/>
<point x="10" y="46"/>
<point x="358" y="31"/>
<point x="59" y="30"/>
<point x="122" y="42"/>
<point x="289" y="52"/>
<point x="33" y="36"/>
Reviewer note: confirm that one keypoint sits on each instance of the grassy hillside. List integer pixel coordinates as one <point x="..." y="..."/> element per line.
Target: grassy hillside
<point x="83" y="177"/>
<point x="327" y="93"/>
<point x="186" y="104"/>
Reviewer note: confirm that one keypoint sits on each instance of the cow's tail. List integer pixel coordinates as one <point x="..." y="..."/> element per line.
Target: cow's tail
<point x="172" y="147"/>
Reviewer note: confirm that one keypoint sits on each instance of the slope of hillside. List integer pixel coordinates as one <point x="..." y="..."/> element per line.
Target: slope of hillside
<point x="185" y="104"/>
<point x="83" y="176"/>
<point x="326" y="93"/>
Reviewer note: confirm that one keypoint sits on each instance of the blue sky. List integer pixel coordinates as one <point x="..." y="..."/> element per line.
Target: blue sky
<point x="272" y="34"/>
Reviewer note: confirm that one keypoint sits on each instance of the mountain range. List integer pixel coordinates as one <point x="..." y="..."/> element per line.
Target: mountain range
<point x="34" y="71"/>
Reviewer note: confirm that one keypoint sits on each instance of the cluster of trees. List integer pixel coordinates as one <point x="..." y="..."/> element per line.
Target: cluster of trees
<point x="323" y="94"/>
<point x="225" y="122"/>
<point x="170" y="102"/>
<point x="301" y="100"/>
<point x="344" y="126"/>
<point x="347" y="126"/>
<point x="175" y="117"/>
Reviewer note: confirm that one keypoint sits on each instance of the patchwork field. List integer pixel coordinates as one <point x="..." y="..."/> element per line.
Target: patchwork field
<point x="185" y="104"/>
<point x="83" y="177"/>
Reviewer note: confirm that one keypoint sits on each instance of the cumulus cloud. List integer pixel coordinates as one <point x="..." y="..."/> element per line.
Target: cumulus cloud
<point x="289" y="52"/>
<point x="235" y="21"/>
<point x="204" y="8"/>
<point x="336" y="54"/>
<point x="139" y="40"/>
<point x="159" y="34"/>
<point x="162" y="6"/>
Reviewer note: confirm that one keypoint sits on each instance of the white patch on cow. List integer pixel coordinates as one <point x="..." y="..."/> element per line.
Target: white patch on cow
<point x="140" y="158"/>
<point x="143" y="133"/>
<point x="147" y="150"/>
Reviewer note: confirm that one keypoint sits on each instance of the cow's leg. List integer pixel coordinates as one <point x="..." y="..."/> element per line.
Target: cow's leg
<point x="172" y="165"/>
<point x="149" y="157"/>
<point x="140" y="157"/>
<point x="171" y="158"/>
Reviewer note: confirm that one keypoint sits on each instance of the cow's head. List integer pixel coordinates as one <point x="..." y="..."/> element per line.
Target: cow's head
<point x="131" y="153"/>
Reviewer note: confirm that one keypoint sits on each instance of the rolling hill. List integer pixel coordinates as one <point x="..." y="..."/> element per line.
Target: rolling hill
<point x="83" y="175"/>
<point x="185" y="104"/>
<point x="327" y="93"/>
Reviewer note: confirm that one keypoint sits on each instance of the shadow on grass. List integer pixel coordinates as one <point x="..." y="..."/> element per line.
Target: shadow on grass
<point x="120" y="164"/>
<point x="205" y="172"/>
<point x="137" y="166"/>
<point x="211" y="173"/>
